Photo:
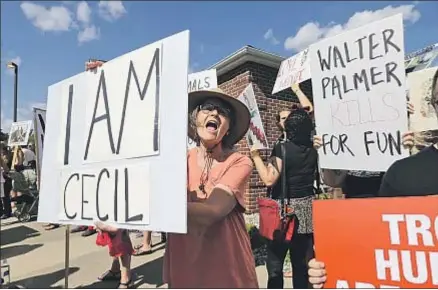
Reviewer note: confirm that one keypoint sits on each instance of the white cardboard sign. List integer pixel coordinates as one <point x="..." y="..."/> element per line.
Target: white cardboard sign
<point x="19" y="133"/>
<point x="256" y="133"/>
<point x="203" y="80"/>
<point x="113" y="136"/>
<point x="420" y="95"/>
<point x="358" y="81"/>
<point x="293" y="70"/>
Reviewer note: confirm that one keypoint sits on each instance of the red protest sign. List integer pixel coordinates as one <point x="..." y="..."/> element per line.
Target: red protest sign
<point x="378" y="243"/>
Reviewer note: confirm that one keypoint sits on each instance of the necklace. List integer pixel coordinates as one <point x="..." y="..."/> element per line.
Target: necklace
<point x="206" y="170"/>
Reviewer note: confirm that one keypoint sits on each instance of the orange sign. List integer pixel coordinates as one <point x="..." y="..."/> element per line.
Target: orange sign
<point x="378" y="242"/>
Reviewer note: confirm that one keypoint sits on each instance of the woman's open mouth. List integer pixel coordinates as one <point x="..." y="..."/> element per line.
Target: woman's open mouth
<point x="212" y="126"/>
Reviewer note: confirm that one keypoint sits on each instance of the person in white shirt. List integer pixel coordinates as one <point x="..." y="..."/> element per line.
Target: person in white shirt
<point x="24" y="160"/>
<point x="28" y="155"/>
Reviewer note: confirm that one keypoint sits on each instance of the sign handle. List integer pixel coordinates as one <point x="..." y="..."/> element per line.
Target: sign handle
<point x="14" y="156"/>
<point x="37" y="153"/>
<point x="67" y="256"/>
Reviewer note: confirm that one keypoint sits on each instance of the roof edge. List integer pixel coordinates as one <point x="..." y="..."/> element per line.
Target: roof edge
<point x="246" y="54"/>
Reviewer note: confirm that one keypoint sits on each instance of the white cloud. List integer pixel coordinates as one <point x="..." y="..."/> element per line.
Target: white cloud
<point x="61" y="18"/>
<point x="88" y="31"/>
<point x="269" y="36"/>
<point x="83" y="13"/>
<point x="202" y="48"/>
<point x="55" y="18"/>
<point x="111" y="10"/>
<point x="312" y="32"/>
<point x="88" y="34"/>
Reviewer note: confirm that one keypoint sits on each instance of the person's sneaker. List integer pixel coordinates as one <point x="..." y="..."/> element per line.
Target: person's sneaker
<point x="89" y="232"/>
<point x="78" y="229"/>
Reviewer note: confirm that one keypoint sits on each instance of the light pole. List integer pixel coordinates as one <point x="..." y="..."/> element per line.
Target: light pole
<point x="14" y="66"/>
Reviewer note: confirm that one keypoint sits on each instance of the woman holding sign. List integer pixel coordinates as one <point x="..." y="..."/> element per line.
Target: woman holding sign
<point x="295" y="163"/>
<point x="216" y="251"/>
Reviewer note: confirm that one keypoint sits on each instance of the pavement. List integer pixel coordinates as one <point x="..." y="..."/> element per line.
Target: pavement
<point x="37" y="259"/>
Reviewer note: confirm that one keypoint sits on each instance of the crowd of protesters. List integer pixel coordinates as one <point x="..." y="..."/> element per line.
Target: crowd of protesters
<point x="17" y="176"/>
<point x="216" y="251"/>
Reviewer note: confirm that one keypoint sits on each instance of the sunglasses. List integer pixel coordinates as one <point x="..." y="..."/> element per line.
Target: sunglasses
<point x="209" y="107"/>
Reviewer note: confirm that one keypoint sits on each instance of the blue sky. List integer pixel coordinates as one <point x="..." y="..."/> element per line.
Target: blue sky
<point x="52" y="40"/>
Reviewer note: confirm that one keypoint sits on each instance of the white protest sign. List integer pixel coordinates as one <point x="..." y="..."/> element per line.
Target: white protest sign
<point x="293" y="70"/>
<point x="39" y="121"/>
<point x="113" y="136"/>
<point x="19" y="133"/>
<point x="203" y="80"/>
<point x="358" y="81"/>
<point x="420" y="95"/>
<point x="256" y="134"/>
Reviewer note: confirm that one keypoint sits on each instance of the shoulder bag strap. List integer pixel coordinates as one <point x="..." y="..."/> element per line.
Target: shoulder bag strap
<point x="283" y="195"/>
<point x="317" y="176"/>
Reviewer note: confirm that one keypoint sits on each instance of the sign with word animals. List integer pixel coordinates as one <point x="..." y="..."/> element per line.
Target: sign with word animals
<point x="256" y="134"/>
<point x="420" y="95"/>
<point x="19" y="133"/>
<point x="379" y="242"/>
<point x="203" y="80"/>
<point x="39" y="122"/>
<point x="293" y="70"/>
<point x="111" y="138"/>
<point x="358" y="81"/>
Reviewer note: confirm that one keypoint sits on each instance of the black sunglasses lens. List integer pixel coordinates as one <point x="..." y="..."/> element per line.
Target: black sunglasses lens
<point x="207" y="107"/>
<point x="211" y="107"/>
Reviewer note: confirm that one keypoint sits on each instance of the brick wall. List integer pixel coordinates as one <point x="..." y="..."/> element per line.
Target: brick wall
<point x="263" y="78"/>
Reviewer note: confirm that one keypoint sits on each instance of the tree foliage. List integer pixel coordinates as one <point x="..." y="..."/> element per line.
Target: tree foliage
<point x="3" y="136"/>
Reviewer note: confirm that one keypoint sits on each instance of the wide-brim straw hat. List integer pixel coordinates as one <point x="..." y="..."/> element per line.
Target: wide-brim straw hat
<point x="241" y="113"/>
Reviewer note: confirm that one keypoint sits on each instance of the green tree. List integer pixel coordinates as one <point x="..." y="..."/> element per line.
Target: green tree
<point x="3" y="136"/>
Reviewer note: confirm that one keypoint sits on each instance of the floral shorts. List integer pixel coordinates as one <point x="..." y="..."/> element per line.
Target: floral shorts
<point x="303" y="211"/>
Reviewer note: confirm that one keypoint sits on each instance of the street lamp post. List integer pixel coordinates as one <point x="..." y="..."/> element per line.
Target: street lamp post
<point x="14" y="66"/>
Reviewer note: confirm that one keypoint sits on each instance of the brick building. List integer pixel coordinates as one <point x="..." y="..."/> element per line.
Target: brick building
<point x="234" y="73"/>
